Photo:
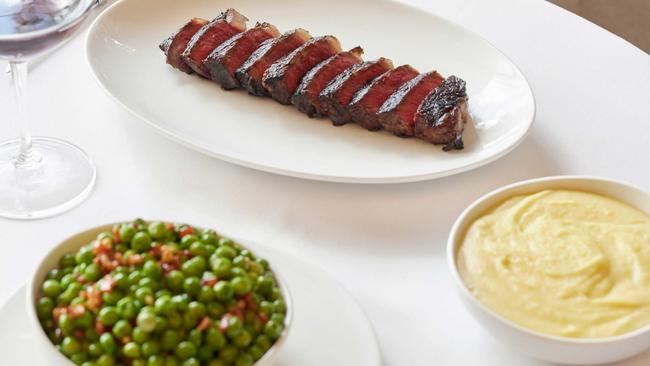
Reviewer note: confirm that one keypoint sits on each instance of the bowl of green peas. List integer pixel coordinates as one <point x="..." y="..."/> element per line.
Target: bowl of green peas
<point x="155" y="293"/>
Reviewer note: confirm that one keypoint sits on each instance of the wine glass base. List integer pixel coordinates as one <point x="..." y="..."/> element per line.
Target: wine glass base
<point x="63" y="179"/>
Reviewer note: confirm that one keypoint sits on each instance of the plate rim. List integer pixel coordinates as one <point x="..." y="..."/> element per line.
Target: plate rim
<point x="332" y="178"/>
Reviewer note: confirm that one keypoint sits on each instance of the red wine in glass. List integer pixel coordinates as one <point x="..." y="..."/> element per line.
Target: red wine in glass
<point x="39" y="176"/>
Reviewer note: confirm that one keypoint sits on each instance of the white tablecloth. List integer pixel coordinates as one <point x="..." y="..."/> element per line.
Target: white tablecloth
<point x="385" y="243"/>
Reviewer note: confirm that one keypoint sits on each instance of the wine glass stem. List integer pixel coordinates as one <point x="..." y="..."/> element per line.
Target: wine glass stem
<point x="26" y="155"/>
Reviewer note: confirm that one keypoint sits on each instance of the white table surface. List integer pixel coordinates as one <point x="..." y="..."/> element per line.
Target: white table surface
<point x="386" y="243"/>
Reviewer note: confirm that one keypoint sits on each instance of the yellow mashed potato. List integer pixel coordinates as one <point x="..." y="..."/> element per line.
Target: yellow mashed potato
<point x="565" y="263"/>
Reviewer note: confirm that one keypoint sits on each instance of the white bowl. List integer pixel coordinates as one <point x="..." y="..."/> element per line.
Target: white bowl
<point x="535" y="344"/>
<point x="72" y="244"/>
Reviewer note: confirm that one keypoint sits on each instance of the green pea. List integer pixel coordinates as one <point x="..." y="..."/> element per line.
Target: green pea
<point x="164" y="305"/>
<point x="185" y="350"/>
<point x="70" y="346"/>
<point x="273" y="329"/>
<point x="53" y="274"/>
<point x="243" y="339"/>
<point x="94" y="349"/>
<point x="91" y="334"/>
<point x="66" y="324"/>
<point x="145" y="294"/>
<point x="241" y="285"/>
<point x="264" y="285"/>
<point x="256" y="352"/>
<point x="84" y="320"/>
<point x="175" y="280"/>
<point x="78" y="358"/>
<point x="198" y="249"/>
<point x="131" y="350"/>
<point x="226" y="251"/>
<point x="214" y="339"/>
<point x="244" y="359"/>
<point x="209" y="237"/>
<point x="174" y="320"/>
<point x="223" y="290"/>
<point x="206" y="294"/>
<point x="216" y="362"/>
<point x="108" y="315"/>
<point x="191" y="362"/>
<point x="107" y="342"/>
<point x="194" y="266"/>
<point x="240" y="261"/>
<point x="220" y="265"/>
<point x="187" y="241"/>
<point x="150" y="348"/>
<point x="121" y="247"/>
<point x="105" y="360"/>
<point x="140" y="336"/>
<point x="157" y="229"/>
<point x="51" y="288"/>
<point x="92" y="272"/>
<point x="135" y="277"/>
<point x="156" y="360"/>
<point x="161" y="324"/>
<point x="228" y="354"/>
<point x="181" y="302"/>
<point x="44" y="308"/>
<point x="192" y="286"/>
<point x="279" y="306"/>
<point x="127" y="232"/>
<point x="204" y="354"/>
<point x="215" y="309"/>
<point x="152" y="270"/>
<point x="236" y="271"/>
<point x="139" y="362"/>
<point x="127" y="308"/>
<point x="141" y="242"/>
<point x="235" y="327"/>
<point x="121" y="281"/>
<point x="146" y="321"/>
<point x="196" y="309"/>
<point x="122" y="328"/>
<point x="111" y="298"/>
<point x="84" y="255"/>
<point x="169" y="340"/>
<point x="67" y="260"/>
<point x="263" y="342"/>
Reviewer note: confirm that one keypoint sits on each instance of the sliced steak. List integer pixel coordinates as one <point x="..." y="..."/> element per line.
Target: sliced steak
<point x="282" y="78"/>
<point x="174" y="46"/>
<point x="442" y="116"/>
<point x="230" y="55"/>
<point x="339" y="92"/>
<point x="397" y="113"/>
<point x="306" y="96"/>
<point x="250" y="74"/>
<point x="210" y="36"/>
<point x="367" y="101"/>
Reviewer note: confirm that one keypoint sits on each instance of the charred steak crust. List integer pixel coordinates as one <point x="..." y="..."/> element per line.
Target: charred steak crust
<point x="306" y="96"/>
<point x="397" y="113"/>
<point x="174" y="45"/>
<point x="210" y="36"/>
<point x="230" y="55"/>
<point x="251" y="72"/>
<point x="442" y="116"/>
<point x="367" y="101"/>
<point x="282" y="78"/>
<point x="339" y="92"/>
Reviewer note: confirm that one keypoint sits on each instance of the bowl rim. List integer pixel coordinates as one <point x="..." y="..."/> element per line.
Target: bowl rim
<point x="30" y="295"/>
<point x="455" y="236"/>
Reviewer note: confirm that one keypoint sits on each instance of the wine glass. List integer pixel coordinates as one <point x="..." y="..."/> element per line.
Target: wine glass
<point x="39" y="176"/>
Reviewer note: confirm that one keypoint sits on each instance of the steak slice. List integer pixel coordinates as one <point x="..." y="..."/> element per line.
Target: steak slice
<point x="282" y="78"/>
<point x="210" y="36"/>
<point x="306" y="96"/>
<point x="339" y="92"/>
<point x="367" y="101"/>
<point x="230" y="55"/>
<point x="442" y="116"/>
<point x="251" y="72"/>
<point x="174" y="46"/>
<point x="397" y="113"/>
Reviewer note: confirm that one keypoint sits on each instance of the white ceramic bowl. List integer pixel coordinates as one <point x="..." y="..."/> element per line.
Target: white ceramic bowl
<point x="72" y="244"/>
<point x="535" y="344"/>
